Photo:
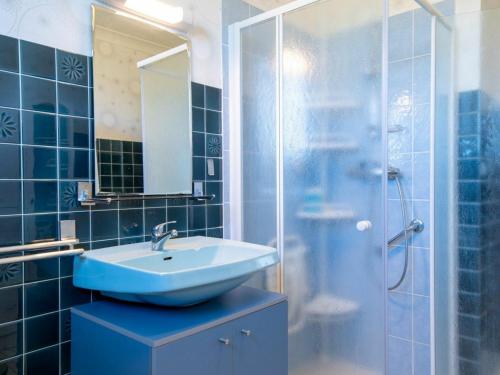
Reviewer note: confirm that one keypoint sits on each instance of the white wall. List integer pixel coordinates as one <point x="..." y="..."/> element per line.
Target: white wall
<point x="66" y="24"/>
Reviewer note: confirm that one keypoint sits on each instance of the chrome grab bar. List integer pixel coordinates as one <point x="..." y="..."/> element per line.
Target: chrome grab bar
<point x="38" y="246"/>
<point x="415" y="226"/>
<point x="51" y="254"/>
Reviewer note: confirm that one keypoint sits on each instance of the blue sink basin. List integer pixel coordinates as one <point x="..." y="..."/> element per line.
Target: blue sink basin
<point x="189" y="270"/>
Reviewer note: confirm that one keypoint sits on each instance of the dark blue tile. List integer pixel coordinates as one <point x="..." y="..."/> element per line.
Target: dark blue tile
<point x="37" y="60"/>
<point x="469" y="259"/>
<point x="217" y="176"/>
<point x="214" y="188"/>
<point x="213" y="122"/>
<point x="198" y="232"/>
<point x="11" y="229"/>
<point x="73" y="132"/>
<point x="198" y="144"/>
<point x="9" y="90"/>
<point x="213" y="98"/>
<point x="73" y="100"/>
<point x="82" y="224"/>
<point x="179" y="215"/>
<point x="214" y="216"/>
<point x="71" y="68"/>
<point x="10" y="162"/>
<point x="74" y="164"/>
<point x="41" y="297"/>
<point x="469" y="236"/>
<point x="469" y="214"/>
<point x="150" y="203"/>
<point x="468" y="124"/>
<point x="104" y="225"/>
<point x="198" y="118"/>
<point x="39" y="163"/>
<point x="10" y="198"/>
<point x="42" y="331"/>
<point x="154" y="216"/>
<point x="38" y="94"/>
<point x="468" y="146"/>
<point x="197" y="95"/>
<point x="469" y="281"/>
<point x="39" y="129"/>
<point x="68" y="196"/>
<point x="196" y="217"/>
<point x="40" y="196"/>
<point x="12" y="366"/>
<point x="198" y="168"/>
<point x="214" y="145"/>
<point x="40" y="227"/>
<point x="131" y="223"/>
<point x="71" y="295"/>
<point x="131" y="240"/>
<point x="469" y="191"/>
<point x="468" y="101"/>
<point x="11" y="307"/>
<point x="44" y="361"/>
<point x="9" y="54"/>
<point x="11" y="343"/>
<point x="215" y="232"/>
<point x="177" y="202"/>
<point x="66" y="358"/>
<point x="103" y="244"/>
<point x="41" y="269"/>
<point x="469" y="326"/>
<point x="469" y="169"/>
<point x="9" y="126"/>
<point x="65" y="328"/>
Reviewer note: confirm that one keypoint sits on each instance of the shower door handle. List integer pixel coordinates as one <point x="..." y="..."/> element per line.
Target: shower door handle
<point x="364" y="225"/>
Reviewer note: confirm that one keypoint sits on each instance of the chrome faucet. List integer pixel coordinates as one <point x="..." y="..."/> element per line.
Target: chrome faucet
<point x="160" y="235"/>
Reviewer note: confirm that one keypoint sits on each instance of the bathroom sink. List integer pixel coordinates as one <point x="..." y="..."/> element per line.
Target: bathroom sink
<point x="188" y="271"/>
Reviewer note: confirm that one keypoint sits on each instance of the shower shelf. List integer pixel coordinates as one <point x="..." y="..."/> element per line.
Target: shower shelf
<point x="335" y="146"/>
<point x="327" y="213"/>
<point x="327" y="305"/>
<point x="335" y="104"/>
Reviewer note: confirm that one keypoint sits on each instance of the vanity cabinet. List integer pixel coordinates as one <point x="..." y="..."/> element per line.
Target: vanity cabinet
<point x="240" y="333"/>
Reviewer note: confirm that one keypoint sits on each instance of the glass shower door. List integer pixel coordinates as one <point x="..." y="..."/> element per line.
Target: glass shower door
<point x="332" y="198"/>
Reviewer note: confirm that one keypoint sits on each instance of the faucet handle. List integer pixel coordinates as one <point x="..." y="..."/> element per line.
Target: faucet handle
<point x="161" y="228"/>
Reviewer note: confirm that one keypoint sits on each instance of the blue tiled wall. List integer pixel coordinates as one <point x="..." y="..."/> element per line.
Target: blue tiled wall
<point x="478" y="236"/>
<point x="409" y="146"/>
<point x="46" y="147"/>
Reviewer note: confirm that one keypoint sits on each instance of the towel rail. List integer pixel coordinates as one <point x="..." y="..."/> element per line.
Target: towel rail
<point x="50" y="254"/>
<point x="39" y="245"/>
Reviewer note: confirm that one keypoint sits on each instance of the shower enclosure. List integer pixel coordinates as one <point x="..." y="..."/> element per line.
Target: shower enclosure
<point x="312" y="98"/>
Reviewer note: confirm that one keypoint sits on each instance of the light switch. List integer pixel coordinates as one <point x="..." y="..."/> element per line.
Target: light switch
<point x="68" y="229"/>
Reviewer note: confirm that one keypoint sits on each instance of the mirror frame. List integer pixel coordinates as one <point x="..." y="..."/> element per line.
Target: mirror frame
<point x="182" y="35"/>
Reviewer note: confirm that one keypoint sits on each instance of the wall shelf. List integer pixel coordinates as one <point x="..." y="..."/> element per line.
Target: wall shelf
<point x="327" y="213"/>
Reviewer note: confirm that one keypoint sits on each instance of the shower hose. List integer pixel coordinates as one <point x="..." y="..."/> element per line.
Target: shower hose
<point x="404" y="215"/>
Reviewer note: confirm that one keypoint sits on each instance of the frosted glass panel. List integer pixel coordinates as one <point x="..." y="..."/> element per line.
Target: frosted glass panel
<point x="334" y="274"/>
<point x="258" y="143"/>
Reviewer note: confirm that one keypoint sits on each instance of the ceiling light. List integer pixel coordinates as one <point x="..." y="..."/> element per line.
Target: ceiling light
<point x="157" y="10"/>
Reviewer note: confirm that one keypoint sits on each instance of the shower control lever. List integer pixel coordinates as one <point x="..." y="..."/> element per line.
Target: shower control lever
<point x="364" y="225"/>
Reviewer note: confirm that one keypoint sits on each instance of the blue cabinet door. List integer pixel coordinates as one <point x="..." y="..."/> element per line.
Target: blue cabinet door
<point x="206" y="353"/>
<point x="261" y="342"/>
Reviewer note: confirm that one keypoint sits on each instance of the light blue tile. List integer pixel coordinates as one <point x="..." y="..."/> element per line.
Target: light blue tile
<point x="404" y="163"/>
<point x="399" y="357"/>
<point x="421" y="319"/>
<point x="399" y="314"/>
<point x="395" y="266"/>
<point x="422" y="354"/>
<point x="400" y="35"/>
<point x="422" y="34"/>
<point x="421" y="128"/>
<point x="422" y="80"/>
<point x="400" y="84"/>
<point x="394" y="219"/>
<point x="421" y="271"/>
<point x="400" y="129"/>
<point x="421" y="176"/>
<point x="421" y="211"/>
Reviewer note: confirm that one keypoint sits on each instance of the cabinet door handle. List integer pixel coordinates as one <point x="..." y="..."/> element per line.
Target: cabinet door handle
<point x="246" y="332"/>
<point x="224" y="341"/>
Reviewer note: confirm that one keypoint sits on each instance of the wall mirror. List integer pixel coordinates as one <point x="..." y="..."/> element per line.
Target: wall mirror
<point x="142" y="106"/>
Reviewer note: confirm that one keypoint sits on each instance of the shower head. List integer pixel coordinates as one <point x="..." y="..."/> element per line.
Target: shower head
<point x="393" y="173"/>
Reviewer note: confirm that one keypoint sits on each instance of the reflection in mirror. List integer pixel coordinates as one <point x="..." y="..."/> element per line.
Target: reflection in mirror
<point x="141" y="106"/>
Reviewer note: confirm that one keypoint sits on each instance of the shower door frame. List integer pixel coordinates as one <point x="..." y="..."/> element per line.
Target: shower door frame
<point x="235" y="193"/>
